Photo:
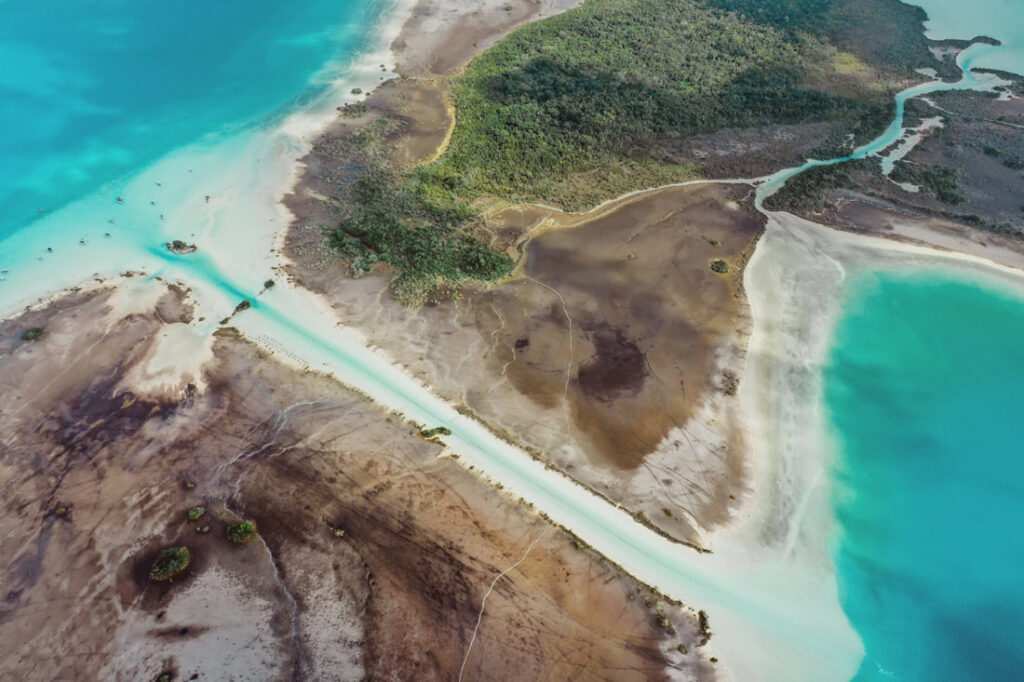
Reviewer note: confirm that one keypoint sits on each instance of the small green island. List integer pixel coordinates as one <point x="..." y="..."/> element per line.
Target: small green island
<point x="170" y="563"/>
<point x="241" y="531"/>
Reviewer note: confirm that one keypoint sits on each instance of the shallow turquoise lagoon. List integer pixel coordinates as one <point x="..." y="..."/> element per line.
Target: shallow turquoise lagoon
<point x="91" y="91"/>
<point x="924" y="391"/>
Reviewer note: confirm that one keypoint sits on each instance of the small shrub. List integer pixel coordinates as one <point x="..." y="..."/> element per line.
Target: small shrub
<point x="720" y="266"/>
<point x="664" y="623"/>
<point x="195" y="513"/>
<point x="436" y="431"/>
<point x="244" y="305"/>
<point x="169" y="563"/>
<point x="357" y="91"/>
<point x="203" y="529"/>
<point x="269" y="284"/>
<point x="33" y="334"/>
<point x="242" y="531"/>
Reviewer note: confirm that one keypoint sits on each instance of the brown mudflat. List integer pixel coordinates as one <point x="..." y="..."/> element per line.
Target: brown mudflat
<point x="372" y="557"/>
<point x="614" y="350"/>
<point x="647" y="315"/>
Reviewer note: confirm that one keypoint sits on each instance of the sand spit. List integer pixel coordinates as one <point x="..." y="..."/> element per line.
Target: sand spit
<point x="373" y="554"/>
<point x="440" y="40"/>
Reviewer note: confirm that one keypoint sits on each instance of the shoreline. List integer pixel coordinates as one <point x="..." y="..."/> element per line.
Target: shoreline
<point x="781" y="395"/>
<point x="179" y="179"/>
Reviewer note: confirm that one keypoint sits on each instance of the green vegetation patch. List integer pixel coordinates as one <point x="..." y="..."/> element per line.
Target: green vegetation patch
<point x="888" y="34"/>
<point x="807" y="192"/>
<point x="436" y="431"/>
<point x="386" y="219"/>
<point x="720" y="266"/>
<point x="33" y="334"/>
<point x="195" y="513"/>
<point x="169" y="563"/>
<point x="941" y="181"/>
<point x="604" y="84"/>
<point x="241" y="531"/>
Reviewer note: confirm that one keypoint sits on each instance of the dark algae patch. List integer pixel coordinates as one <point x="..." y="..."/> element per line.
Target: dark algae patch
<point x="617" y="369"/>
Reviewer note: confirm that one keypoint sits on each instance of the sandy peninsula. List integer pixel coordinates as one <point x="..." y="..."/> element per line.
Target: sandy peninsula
<point x="614" y="351"/>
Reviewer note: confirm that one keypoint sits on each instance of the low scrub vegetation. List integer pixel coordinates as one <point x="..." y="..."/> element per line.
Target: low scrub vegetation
<point x="242" y="531"/>
<point x="719" y="266"/>
<point x="386" y="219"/>
<point x="808" y="191"/>
<point x="169" y="563"/>
<point x="436" y="431"/>
<point x="941" y="181"/>
<point x="609" y="82"/>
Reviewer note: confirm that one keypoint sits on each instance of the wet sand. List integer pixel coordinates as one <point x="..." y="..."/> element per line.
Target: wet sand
<point x="373" y="554"/>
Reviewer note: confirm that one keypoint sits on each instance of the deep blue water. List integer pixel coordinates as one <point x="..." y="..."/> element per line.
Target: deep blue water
<point x="925" y="396"/>
<point x="91" y="90"/>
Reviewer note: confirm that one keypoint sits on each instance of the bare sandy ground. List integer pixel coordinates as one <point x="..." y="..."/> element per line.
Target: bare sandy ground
<point x="442" y="36"/>
<point x="373" y="555"/>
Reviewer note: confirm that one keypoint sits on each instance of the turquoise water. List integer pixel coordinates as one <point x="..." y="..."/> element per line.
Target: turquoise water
<point x="92" y="91"/>
<point x="925" y="396"/>
<point x="1000" y="19"/>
